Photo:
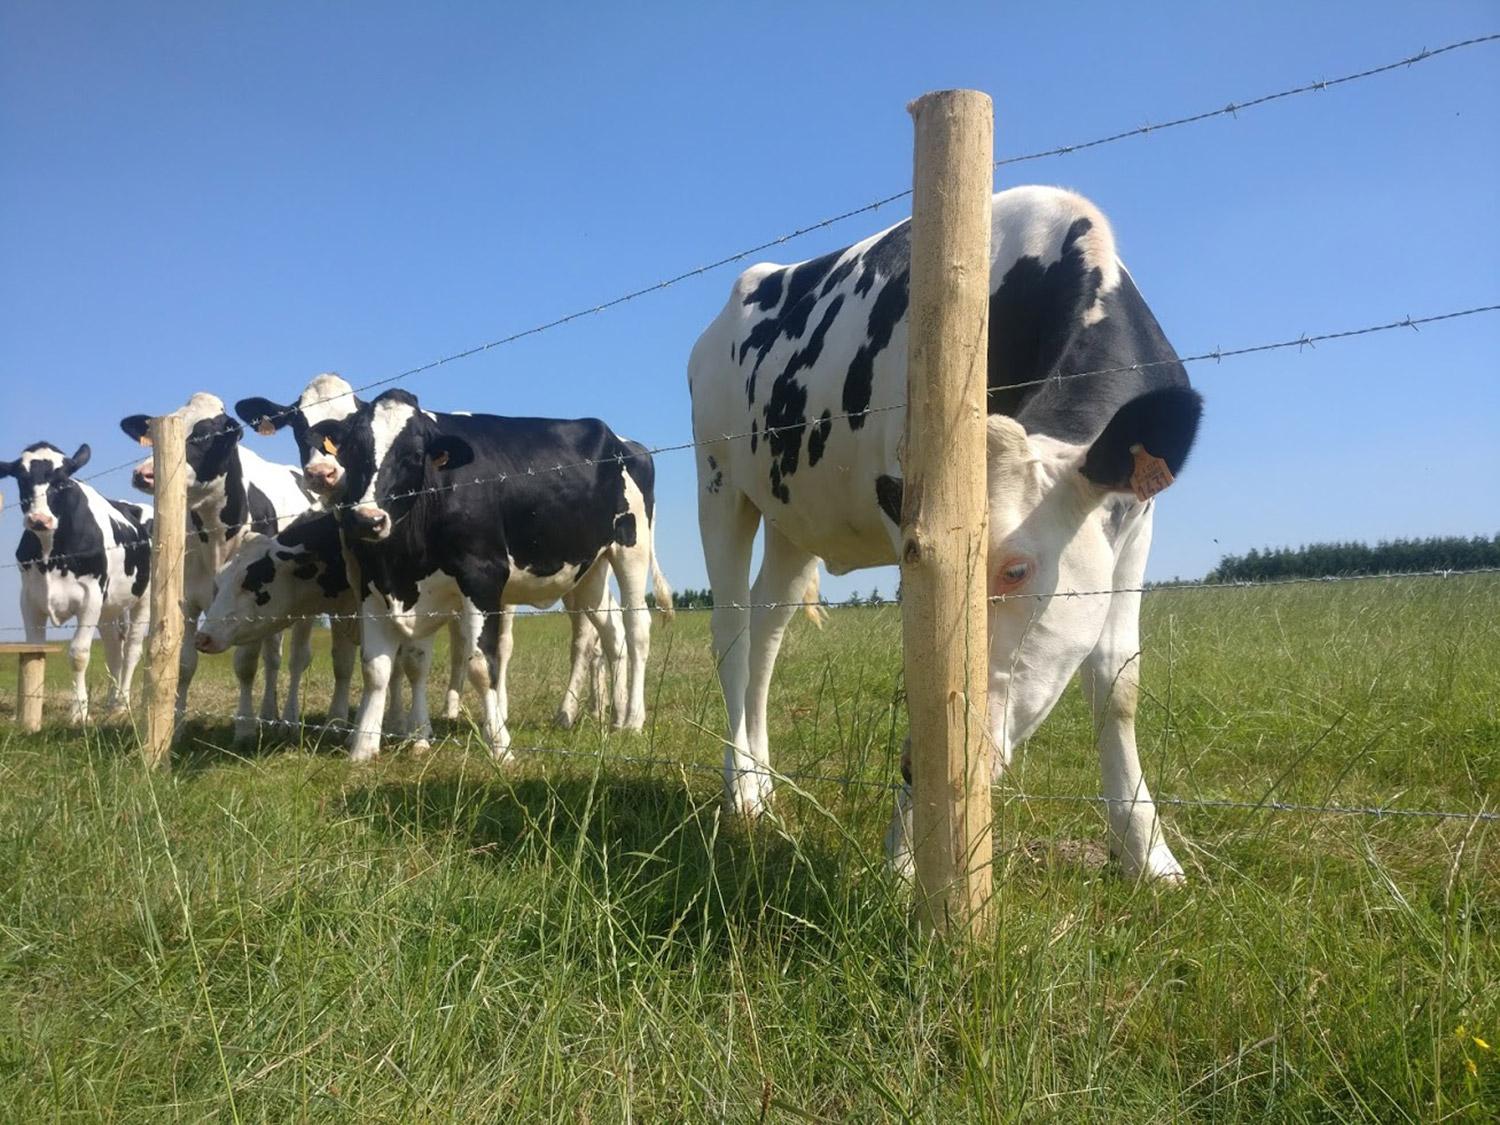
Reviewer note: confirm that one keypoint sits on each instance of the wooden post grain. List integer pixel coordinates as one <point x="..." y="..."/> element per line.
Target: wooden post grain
<point x="945" y="516"/>
<point x="31" y="690"/>
<point x="168" y="535"/>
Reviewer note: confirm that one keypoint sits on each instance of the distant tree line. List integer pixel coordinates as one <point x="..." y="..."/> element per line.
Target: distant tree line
<point x="1393" y="556"/>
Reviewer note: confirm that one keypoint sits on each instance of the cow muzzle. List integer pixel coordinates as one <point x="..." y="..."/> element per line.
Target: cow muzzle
<point x="37" y="522"/>
<point x="322" y="477"/>
<point x="208" y="644"/>
<point x="369" y="523"/>
<point x="144" y="478"/>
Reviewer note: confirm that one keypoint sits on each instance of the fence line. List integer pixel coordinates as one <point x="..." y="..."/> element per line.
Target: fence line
<point x="1217" y="355"/>
<point x="1232" y="109"/>
<point x="847" y="781"/>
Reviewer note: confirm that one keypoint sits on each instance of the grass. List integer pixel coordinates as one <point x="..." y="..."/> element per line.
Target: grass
<point x="279" y="935"/>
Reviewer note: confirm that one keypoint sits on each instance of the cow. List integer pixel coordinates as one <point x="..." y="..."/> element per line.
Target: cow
<point x="86" y="557"/>
<point x="299" y="573"/>
<point x="468" y="513"/>
<point x="232" y="493"/>
<point x="809" y="361"/>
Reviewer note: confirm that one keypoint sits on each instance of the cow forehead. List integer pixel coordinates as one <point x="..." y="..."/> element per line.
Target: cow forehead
<point x="327" y="398"/>
<point x="42" y="455"/>
<point x="1023" y="480"/>
<point x="388" y="421"/>
<point x="201" y="407"/>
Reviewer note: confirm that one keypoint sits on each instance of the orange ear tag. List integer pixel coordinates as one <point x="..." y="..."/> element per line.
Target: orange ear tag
<point x="1150" y="475"/>
<point x="265" y="428"/>
<point x="144" y="440"/>
<point x="440" y="460"/>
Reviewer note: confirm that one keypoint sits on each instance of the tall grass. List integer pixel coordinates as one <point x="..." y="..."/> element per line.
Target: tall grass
<point x="276" y="934"/>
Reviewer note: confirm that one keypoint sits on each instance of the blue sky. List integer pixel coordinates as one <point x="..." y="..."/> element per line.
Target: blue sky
<point x="233" y="198"/>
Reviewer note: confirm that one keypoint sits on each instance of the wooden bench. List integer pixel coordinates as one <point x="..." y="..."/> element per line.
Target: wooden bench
<point x="30" y="688"/>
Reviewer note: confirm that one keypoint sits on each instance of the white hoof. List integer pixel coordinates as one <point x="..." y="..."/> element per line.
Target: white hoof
<point x="747" y="793"/>
<point x="898" y="854"/>
<point x="1160" y="866"/>
<point x="421" y="746"/>
<point x="363" y="748"/>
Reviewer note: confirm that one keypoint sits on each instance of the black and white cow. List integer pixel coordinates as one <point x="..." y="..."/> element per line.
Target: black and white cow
<point x="86" y="557"/>
<point x="810" y="360"/>
<point x="276" y="580"/>
<point x="231" y="494"/>
<point x="468" y="513"/>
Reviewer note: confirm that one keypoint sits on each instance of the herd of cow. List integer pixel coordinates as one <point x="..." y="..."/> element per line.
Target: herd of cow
<point x="400" y="521"/>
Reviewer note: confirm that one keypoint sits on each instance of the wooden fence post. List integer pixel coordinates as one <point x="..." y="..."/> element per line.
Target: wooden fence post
<point x="945" y="516"/>
<point x="168" y="535"/>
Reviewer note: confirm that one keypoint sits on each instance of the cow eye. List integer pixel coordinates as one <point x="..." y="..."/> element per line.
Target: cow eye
<point x="1012" y="575"/>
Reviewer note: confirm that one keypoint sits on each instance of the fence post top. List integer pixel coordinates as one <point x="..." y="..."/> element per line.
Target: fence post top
<point x="976" y="99"/>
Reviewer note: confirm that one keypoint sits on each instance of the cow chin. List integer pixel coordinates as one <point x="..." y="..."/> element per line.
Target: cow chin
<point x="208" y="644"/>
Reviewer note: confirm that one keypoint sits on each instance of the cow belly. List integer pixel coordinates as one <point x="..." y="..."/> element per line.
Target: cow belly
<point x="65" y="597"/>
<point x="540" y="590"/>
<point x="438" y="600"/>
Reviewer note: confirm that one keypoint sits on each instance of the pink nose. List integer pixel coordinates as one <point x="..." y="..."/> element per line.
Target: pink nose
<point x="205" y="643"/>
<point x="144" y="478"/>
<point x="322" y="475"/>
<point x="40" y="523"/>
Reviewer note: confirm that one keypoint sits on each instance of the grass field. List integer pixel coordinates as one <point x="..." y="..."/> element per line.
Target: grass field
<point x="281" y="935"/>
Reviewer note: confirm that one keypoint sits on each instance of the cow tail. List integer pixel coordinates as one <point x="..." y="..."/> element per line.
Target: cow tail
<point x="812" y="601"/>
<point x="664" y="604"/>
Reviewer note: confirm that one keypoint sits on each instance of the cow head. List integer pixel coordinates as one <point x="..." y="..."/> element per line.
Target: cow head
<point x="1054" y="528"/>
<point x="43" y="475"/>
<point x="213" y="439"/>
<point x="328" y="398"/>
<point x="393" y="459"/>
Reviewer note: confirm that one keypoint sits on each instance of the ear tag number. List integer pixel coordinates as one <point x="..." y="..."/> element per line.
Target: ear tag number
<point x="1150" y="475"/>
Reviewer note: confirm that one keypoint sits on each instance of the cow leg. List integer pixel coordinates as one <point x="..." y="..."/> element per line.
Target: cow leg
<point x="78" y="655"/>
<point x="785" y="571"/>
<point x="393" y="719"/>
<point x="379" y="640"/>
<point x="270" y="655"/>
<point x="1111" y="680"/>
<point x="598" y="675"/>
<point x="416" y="660"/>
<point x="345" y="644"/>
<point x="632" y="567"/>
<point x="187" y="663"/>
<point x="301" y="657"/>
<point x="245" y="660"/>
<point x="584" y="642"/>
<point x="727" y="524"/>
<point x="481" y="632"/>
<point x="505" y="644"/>
<point x="592" y="593"/>
<point x="112" y="639"/>
<point x="457" y="667"/>
<point x="135" y="638"/>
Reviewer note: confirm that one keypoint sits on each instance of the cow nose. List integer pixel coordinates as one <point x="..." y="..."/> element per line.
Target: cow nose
<point x="204" y="643"/>
<point x="40" y="523"/>
<point x="322" y="476"/>
<point x="370" y="519"/>
<point x="144" y="478"/>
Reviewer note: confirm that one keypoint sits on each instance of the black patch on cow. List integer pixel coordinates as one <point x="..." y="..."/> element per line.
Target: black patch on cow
<point x="888" y="494"/>
<point x="262" y="511"/>
<point x="817" y="441"/>
<point x="791" y="321"/>
<point x="286" y="556"/>
<point x="785" y="413"/>
<point x="198" y="528"/>
<point x="625" y="530"/>
<point x="316" y="536"/>
<point x="134" y="541"/>
<point x="754" y="435"/>
<point x="885" y="313"/>
<point x="767" y="294"/>
<point x="258" y="576"/>
<point x="890" y="255"/>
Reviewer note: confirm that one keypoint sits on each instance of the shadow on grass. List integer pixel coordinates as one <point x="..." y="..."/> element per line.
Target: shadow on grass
<point x="658" y="860"/>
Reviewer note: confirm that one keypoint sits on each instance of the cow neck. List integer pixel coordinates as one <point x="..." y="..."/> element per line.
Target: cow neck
<point x="222" y="512"/>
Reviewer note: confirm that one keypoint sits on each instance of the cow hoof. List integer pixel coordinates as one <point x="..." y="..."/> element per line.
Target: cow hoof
<point x="244" y="731"/>
<point x="563" y="720"/>
<point x="501" y="755"/>
<point x="420" y="746"/>
<point x="748" y="795"/>
<point x="1160" y="867"/>
<point x="363" y="750"/>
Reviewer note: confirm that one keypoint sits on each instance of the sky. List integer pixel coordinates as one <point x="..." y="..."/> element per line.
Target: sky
<point x="234" y="198"/>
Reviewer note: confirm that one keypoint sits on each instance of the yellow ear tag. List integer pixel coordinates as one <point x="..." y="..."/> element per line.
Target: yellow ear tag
<point x="144" y="439"/>
<point x="440" y="460"/>
<point x="1150" y="475"/>
<point x="265" y="427"/>
<point x="329" y="448"/>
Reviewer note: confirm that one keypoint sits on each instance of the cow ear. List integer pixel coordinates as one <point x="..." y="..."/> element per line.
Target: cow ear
<point x="78" y="460"/>
<point x="262" y="415"/>
<point x="448" y="452"/>
<point x="231" y="429"/>
<point x="1146" y="443"/>
<point x="135" y="427"/>
<point x="10" y="468"/>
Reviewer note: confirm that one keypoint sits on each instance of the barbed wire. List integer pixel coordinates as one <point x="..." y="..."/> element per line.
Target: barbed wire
<point x="1217" y="355"/>
<point x="1233" y="109"/>
<point x="522" y="612"/>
